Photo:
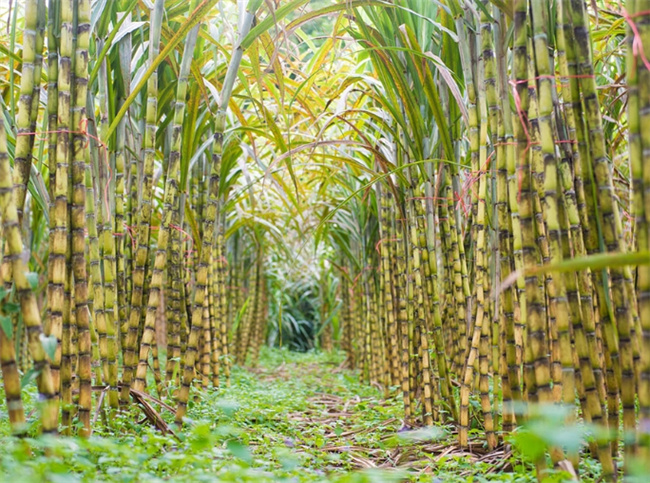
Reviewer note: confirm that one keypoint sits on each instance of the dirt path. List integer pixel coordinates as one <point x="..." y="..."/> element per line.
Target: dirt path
<point x="361" y="431"/>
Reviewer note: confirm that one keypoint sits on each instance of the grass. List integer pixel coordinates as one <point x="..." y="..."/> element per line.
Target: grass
<point x="299" y="417"/>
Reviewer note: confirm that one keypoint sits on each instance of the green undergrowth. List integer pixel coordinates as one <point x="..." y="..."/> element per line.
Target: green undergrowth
<point x="298" y="417"/>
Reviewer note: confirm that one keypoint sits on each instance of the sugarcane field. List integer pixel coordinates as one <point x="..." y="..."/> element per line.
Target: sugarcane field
<point x="347" y="241"/>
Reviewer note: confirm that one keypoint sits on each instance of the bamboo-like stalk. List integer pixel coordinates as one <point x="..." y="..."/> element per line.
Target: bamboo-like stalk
<point x="435" y="324"/>
<point x="58" y="288"/>
<point x="206" y="346"/>
<point x="459" y="276"/>
<point x="11" y="384"/>
<point x="535" y="248"/>
<point x="215" y="314"/>
<point x="467" y="60"/>
<point x="591" y="375"/>
<point x="477" y="347"/>
<point x="386" y="242"/>
<point x="36" y="97"/>
<point x="30" y="77"/>
<point x="176" y="315"/>
<point x="98" y="303"/>
<point x="67" y="352"/>
<point x="372" y="329"/>
<point x="116" y="296"/>
<point x="169" y="205"/>
<point x="413" y="327"/>
<point x="451" y="330"/>
<point x="551" y="214"/>
<point x="29" y="307"/>
<point x="416" y="296"/>
<point x="507" y="299"/>
<point x="521" y="216"/>
<point x="592" y="291"/>
<point x="327" y="343"/>
<point x="244" y="329"/>
<point x="132" y="197"/>
<point x="258" y="322"/>
<point x="638" y="76"/>
<point x="403" y="322"/>
<point x="52" y="101"/>
<point x="144" y="213"/>
<point x="78" y="216"/>
<point x="609" y="219"/>
<point x="367" y="321"/>
<point x="52" y="126"/>
<point x="221" y="293"/>
<point x="489" y="123"/>
<point x="10" y="374"/>
<point x="108" y="240"/>
<point x="202" y="274"/>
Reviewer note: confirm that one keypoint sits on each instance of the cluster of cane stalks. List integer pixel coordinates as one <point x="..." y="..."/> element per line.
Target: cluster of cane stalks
<point x="504" y="272"/>
<point x="492" y="241"/>
<point x="116" y="262"/>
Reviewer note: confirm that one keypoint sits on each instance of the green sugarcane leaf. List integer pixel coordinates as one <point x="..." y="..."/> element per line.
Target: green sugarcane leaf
<point x="49" y="344"/>
<point x="239" y="450"/>
<point x="195" y="17"/>
<point x="109" y="43"/>
<point x="270" y="20"/>
<point x="595" y="262"/>
<point x="531" y="445"/>
<point x="96" y="14"/>
<point x="29" y="376"/>
<point x="38" y="191"/>
<point x="32" y="278"/>
<point x="7" y="326"/>
<point x="11" y="308"/>
<point x="601" y="261"/>
<point x="484" y="9"/>
<point x="240" y="315"/>
<point x="191" y="219"/>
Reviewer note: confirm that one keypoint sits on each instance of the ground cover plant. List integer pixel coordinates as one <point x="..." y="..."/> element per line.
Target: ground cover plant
<point x="454" y="193"/>
<point x="288" y="420"/>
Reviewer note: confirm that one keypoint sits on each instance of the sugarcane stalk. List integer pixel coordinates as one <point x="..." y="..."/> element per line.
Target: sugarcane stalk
<point x="29" y="307"/>
<point x="30" y="77"/>
<point x="144" y="213"/>
<point x="78" y="216"/>
<point x="169" y="204"/>
<point x="58" y="262"/>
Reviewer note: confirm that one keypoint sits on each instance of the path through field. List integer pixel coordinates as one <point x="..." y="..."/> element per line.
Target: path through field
<point x="297" y="417"/>
<point x="335" y="425"/>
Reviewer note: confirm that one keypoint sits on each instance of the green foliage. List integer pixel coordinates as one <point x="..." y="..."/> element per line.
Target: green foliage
<point x="7" y="326"/>
<point x="275" y="425"/>
<point x="303" y="298"/>
<point x="333" y="99"/>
